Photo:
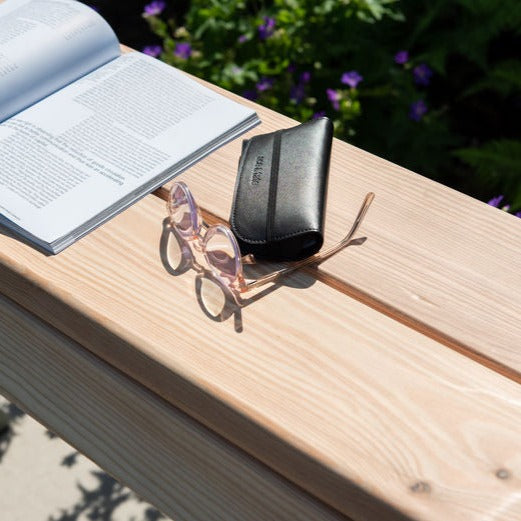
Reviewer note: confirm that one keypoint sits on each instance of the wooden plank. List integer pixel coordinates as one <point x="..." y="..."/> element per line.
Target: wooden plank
<point x="166" y="457"/>
<point x="437" y="260"/>
<point x="366" y="414"/>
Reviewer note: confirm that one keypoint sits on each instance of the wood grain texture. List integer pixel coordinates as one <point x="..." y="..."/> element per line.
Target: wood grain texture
<point x="366" y="414"/>
<point x="167" y="458"/>
<point x="437" y="260"/>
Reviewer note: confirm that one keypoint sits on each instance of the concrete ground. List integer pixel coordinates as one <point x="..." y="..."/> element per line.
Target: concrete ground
<point x="42" y="478"/>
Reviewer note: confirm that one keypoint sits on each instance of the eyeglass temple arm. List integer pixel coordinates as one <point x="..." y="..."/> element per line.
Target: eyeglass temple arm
<point x="320" y="256"/>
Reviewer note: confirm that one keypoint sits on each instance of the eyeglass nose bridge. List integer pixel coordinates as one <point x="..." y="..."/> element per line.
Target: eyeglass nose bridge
<point x="199" y="235"/>
<point x="198" y="244"/>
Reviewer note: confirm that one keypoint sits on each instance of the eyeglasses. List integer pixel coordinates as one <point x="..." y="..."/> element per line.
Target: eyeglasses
<point x="219" y="246"/>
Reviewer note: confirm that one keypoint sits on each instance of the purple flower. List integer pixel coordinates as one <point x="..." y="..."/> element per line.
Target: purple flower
<point x="401" y="57"/>
<point x="422" y="74"/>
<point x="305" y="77"/>
<point x="319" y="114"/>
<point x="250" y="94"/>
<point x="417" y="110"/>
<point x="334" y="97"/>
<point x="154" y="8"/>
<point x="297" y="93"/>
<point x="153" y="50"/>
<point x="242" y="38"/>
<point x="292" y="68"/>
<point x="267" y="28"/>
<point x="183" y="50"/>
<point x="264" y="84"/>
<point x="496" y="201"/>
<point x="351" y="78"/>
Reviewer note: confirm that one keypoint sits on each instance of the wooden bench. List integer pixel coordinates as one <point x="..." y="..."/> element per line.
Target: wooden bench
<point x="382" y="385"/>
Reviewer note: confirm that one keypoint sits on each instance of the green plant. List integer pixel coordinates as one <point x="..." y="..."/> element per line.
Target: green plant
<point x="430" y="85"/>
<point x="472" y="47"/>
<point x="498" y="165"/>
<point x="274" y="52"/>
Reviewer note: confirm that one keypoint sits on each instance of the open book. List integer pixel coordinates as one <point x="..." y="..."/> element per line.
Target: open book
<point x="85" y="131"/>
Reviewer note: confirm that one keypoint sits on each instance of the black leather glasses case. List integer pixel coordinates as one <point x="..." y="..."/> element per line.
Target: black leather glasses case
<point x="280" y="194"/>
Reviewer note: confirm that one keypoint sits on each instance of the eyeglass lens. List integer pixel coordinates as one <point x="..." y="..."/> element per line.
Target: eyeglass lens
<point x="221" y="254"/>
<point x="181" y="211"/>
<point x="211" y="296"/>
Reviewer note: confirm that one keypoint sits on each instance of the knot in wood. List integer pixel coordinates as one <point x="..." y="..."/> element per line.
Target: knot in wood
<point x="421" y="487"/>
<point x="502" y="474"/>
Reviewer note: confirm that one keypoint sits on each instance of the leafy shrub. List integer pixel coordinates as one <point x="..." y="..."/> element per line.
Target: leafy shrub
<point x="432" y="85"/>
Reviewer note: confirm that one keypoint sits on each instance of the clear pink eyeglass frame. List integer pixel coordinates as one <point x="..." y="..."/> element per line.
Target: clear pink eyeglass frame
<point x="191" y="226"/>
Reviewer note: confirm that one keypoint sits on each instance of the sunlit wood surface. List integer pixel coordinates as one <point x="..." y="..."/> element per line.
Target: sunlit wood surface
<point x="383" y="385"/>
<point x="161" y="453"/>
<point x="438" y="260"/>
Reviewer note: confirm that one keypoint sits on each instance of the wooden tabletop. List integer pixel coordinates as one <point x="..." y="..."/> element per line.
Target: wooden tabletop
<point x="384" y="384"/>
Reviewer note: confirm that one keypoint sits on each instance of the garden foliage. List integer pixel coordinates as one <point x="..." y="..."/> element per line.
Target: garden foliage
<point x="434" y="85"/>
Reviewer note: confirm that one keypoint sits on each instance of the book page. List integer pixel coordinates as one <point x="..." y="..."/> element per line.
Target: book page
<point x="45" y="45"/>
<point x="103" y="138"/>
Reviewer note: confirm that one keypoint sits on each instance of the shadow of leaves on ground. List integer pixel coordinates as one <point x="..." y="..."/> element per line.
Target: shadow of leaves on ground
<point x="98" y="501"/>
<point x="101" y="502"/>
<point x="10" y="416"/>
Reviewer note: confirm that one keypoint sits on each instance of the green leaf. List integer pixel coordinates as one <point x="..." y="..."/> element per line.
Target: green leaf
<point x="498" y="163"/>
<point x="504" y="78"/>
